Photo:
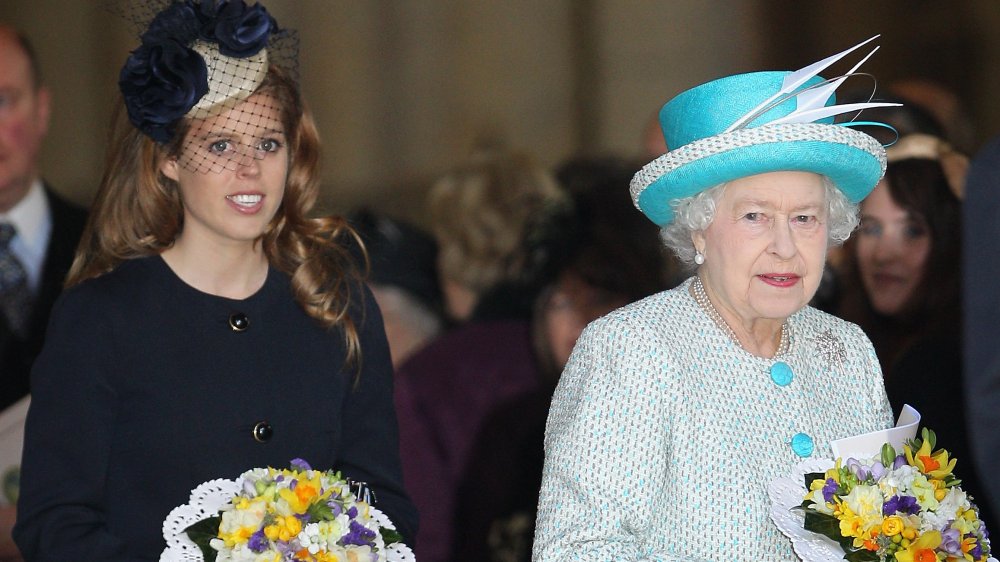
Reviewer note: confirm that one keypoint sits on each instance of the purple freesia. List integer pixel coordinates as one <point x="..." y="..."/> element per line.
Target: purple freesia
<point x="951" y="541"/>
<point x="359" y="535"/>
<point x="335" y="507"/>
<point x="859" y="470"/>
<point x="299" y="464"/>
<point x="901" y="504"/>
<point x="258" y="541"/>
<point x="899" y="462"/>
<point x="352" y="512"/>
<point x="877" y="471"/>
<point x="830" y="489"/>
<point x="976" y="551"/>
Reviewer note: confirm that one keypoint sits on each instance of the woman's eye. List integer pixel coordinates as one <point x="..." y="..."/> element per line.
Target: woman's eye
<point x="805" y="219"/>
<point x="914" y="231"/>
<point x="870" y="228"/>
<point x="754" y="217"/>
<point x="219" y="146"/>
<point x="269" y="145"/>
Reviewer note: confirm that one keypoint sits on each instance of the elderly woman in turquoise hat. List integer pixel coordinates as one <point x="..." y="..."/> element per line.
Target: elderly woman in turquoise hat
<point x="674" y="413"/>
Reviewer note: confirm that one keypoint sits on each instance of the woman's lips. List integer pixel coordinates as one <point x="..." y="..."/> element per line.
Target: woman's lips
<point x="888" y="278"/>
<point x="246" y="203"/>
<point x="779" y="279"/>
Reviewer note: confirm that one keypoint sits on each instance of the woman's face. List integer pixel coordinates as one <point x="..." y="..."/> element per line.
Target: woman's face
<point x="892" y="249"/>
<point x="231" y="172"/>
<point x="765" y="249"/>
<point x="573" y="304"/>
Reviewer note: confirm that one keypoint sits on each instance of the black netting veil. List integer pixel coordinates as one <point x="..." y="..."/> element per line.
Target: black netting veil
<point x="207" y="68"/>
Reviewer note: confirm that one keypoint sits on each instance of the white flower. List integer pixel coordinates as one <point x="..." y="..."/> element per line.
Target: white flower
<point x="251" y="517"/>
<point x="819" y="502"/>
<point x="954" y="501"/>
<point x="900" y="479"/>
<point x="934" y="521"/>
<point x="865" y="501"/>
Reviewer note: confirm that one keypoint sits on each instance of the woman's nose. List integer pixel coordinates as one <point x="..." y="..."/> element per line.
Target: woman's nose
<point x="247" y="164"/>
<point x="782" y="244"/>
<point x="886" y="248"/>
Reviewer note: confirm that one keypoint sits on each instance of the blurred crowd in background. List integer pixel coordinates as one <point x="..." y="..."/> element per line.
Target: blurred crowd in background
<point x="484" y="299"/>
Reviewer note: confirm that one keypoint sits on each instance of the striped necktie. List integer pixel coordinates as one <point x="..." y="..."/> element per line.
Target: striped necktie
<point x="15" y="296"/>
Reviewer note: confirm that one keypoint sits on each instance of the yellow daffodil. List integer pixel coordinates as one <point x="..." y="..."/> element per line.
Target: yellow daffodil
<point x="306" y="493"/>
<point x="922" y="549"/>
<point x="833" y="472"/>
<point x="935" y="465"/>
<point x="284" y="528"/>
<point x="892" y="526"/>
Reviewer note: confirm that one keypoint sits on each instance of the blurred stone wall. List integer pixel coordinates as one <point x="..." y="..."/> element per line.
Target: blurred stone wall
<point x="402" y="88"/>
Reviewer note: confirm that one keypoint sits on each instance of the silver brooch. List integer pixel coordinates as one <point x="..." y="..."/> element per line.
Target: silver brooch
<point x="830" y="347"/>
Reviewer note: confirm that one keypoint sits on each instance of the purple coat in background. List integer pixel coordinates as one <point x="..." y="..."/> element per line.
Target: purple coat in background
<point x="443" y="395"/>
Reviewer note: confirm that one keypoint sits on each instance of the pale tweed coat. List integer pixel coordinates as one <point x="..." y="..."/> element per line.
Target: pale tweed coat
<point x="663" y="433"/>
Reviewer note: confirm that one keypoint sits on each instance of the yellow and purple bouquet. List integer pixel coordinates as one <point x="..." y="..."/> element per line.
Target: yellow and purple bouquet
<point x="272" y="515"/>
<point x="898" y="506"/>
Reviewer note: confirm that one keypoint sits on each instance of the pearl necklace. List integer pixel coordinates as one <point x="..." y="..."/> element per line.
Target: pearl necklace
<point x="701" y="297"/>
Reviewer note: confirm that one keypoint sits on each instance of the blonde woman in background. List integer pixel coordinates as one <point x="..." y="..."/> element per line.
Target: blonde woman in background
<point x="489" y="215"/>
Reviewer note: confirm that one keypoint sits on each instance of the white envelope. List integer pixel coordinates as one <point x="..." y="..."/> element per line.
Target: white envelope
<point x="870" y="444"/>
<point x="11" y="440"/>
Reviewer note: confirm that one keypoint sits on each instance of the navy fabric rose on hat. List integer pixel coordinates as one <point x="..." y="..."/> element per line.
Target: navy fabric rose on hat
<point x="164" y="78"/>
<point x="160" y="84"/>
<point x="240" y="30"/>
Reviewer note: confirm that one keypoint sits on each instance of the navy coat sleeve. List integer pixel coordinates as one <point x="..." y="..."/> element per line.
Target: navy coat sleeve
<point x="370" y="448"/>
<point x="67" y="441"/>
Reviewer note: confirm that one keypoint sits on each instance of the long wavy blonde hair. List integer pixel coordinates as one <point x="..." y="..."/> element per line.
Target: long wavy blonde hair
<point x="138" y="212"/>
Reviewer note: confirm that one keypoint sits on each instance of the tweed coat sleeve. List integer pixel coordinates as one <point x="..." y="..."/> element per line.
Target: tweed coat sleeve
<point x="606" y="448"/>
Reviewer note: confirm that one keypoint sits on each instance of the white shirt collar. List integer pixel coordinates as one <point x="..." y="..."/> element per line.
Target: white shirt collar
<point x="33" y="222"/>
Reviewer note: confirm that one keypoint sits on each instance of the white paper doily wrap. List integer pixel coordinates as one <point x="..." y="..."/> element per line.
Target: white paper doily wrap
<point x="208" y="498"/>
<point x="788" y="492"/>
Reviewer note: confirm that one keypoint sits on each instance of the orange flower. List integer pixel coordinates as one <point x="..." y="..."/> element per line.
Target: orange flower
<point x="930" y="463"/>
<point x="922" y="549"/>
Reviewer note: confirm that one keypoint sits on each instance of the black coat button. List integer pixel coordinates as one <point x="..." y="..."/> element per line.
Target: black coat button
<point x="239" y="322"/>
<point x="262" y="432"/>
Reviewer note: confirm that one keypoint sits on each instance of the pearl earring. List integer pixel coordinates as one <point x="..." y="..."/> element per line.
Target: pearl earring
<point x="699" y="258"/>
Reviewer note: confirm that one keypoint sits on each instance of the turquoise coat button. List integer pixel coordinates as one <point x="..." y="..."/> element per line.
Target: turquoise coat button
<point x="803" y="445"/>
<point x="781" y="374"/>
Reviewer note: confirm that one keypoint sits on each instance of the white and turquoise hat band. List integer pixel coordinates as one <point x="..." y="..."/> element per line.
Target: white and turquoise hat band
<point x="749" y="124"/>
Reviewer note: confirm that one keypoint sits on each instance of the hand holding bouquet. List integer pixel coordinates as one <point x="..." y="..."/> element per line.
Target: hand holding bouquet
<point x="296" y="514"/>
<point x="897" y="506"/>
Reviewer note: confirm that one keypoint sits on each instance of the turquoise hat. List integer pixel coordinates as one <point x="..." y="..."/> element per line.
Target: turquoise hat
<point x="755" y="123"/>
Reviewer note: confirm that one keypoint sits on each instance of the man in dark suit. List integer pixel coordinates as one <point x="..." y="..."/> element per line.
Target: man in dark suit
<point x="39" y="231"/>
<point x="47" y="226"/>
<point x="981" y="269"/>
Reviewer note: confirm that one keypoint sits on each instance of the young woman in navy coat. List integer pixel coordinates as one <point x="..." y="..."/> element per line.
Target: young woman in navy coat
<point x="209" y="325"/>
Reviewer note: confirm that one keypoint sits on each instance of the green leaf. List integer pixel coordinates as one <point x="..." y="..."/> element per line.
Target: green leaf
<point x="826" y="525"/>
<point x="390" y="535"/>
<point x="202" y="533"/>
<point x="814" y="476"/>
<point x="930" y="437"/>
<point x="888" y="455"/>
<point x="320" y="512"/>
